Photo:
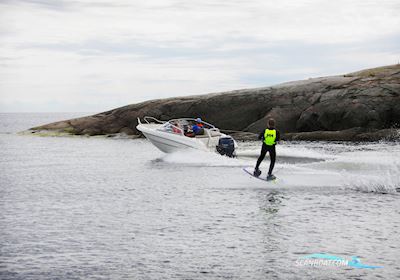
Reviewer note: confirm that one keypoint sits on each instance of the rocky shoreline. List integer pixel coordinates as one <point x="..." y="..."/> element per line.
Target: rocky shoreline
<point x="360" y="106"/>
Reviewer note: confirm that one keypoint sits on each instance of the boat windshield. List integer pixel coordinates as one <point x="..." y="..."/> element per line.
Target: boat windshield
<point x="173" y="127"/>
<point x="186" y="126"/>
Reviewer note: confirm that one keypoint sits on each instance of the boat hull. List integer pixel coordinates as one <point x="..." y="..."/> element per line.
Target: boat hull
<point x="169" y="142"/>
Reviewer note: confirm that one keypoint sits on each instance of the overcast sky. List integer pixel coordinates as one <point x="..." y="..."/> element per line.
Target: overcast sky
<point x="91" y="56"/>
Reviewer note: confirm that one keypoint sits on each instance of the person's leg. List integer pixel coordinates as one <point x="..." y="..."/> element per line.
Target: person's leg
<point x="272" y="155"/>
<point x="262" y="155"/>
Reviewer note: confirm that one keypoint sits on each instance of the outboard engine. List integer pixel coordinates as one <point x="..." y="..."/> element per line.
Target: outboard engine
<point x="226" y="146"/>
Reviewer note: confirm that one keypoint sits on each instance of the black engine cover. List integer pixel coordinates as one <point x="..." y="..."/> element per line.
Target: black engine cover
<point x="226" y="146"/>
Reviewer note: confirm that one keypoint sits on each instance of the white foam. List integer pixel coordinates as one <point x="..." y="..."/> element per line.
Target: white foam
<point x="381" y="181"/>
<point x="288" y="151"/>
<point x="302" y="152"/>
<point x="361" y="162"/>
<point x="202" y="158"/>
<point x="373" y="169"/>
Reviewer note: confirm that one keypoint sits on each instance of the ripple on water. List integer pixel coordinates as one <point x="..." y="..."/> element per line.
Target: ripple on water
<point x="103" y="208"/>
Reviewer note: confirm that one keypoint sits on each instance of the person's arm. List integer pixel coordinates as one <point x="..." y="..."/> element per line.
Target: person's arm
<point x="278" y="136"/>
<point x="261" y="136"/>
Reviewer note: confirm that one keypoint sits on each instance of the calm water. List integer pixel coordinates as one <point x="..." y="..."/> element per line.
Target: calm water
<point x="101" y="208"/>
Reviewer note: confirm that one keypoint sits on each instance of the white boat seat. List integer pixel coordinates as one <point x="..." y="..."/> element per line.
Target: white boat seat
<point x="215" y="133"/>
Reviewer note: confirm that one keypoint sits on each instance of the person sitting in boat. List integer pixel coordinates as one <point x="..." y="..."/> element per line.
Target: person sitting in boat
<point x="188" y="131"/>
<point x="176" y="128"/>
<point x="198" y="127"/>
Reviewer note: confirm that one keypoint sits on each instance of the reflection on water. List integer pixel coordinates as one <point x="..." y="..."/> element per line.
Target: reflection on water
<point x="272" y="202"/>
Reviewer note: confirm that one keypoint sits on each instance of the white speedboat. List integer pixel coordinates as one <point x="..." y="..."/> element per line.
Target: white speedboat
<point x="176" y="134"/>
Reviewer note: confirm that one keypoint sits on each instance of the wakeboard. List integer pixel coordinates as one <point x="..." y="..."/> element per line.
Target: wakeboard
<point x="249" y="171"/>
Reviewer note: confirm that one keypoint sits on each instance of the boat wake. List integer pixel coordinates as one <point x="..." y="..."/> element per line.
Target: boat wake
<point x="366" y="170"/>
<point x="198" y="158"/>
<point x="384" y="182"/>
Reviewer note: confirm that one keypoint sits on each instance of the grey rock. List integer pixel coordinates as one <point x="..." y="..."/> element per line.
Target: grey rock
<point x="350" y="107"/>
<point x="356" y="134"/>
<point x="244" y="136"/>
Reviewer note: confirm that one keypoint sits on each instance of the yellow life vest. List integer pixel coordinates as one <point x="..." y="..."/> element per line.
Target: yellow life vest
<point x="269" y="137"/>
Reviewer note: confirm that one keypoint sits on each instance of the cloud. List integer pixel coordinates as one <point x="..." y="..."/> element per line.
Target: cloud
<point x="110" y="53"/>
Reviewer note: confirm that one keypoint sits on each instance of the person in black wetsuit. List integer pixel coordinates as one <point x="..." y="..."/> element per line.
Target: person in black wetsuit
<point x="269" y="137"/>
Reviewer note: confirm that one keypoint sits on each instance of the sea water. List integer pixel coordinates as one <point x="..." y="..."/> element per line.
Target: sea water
<point x="104" y="208"/>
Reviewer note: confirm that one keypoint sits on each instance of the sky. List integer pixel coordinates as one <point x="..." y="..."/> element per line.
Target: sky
<point x="92" y="56"/>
